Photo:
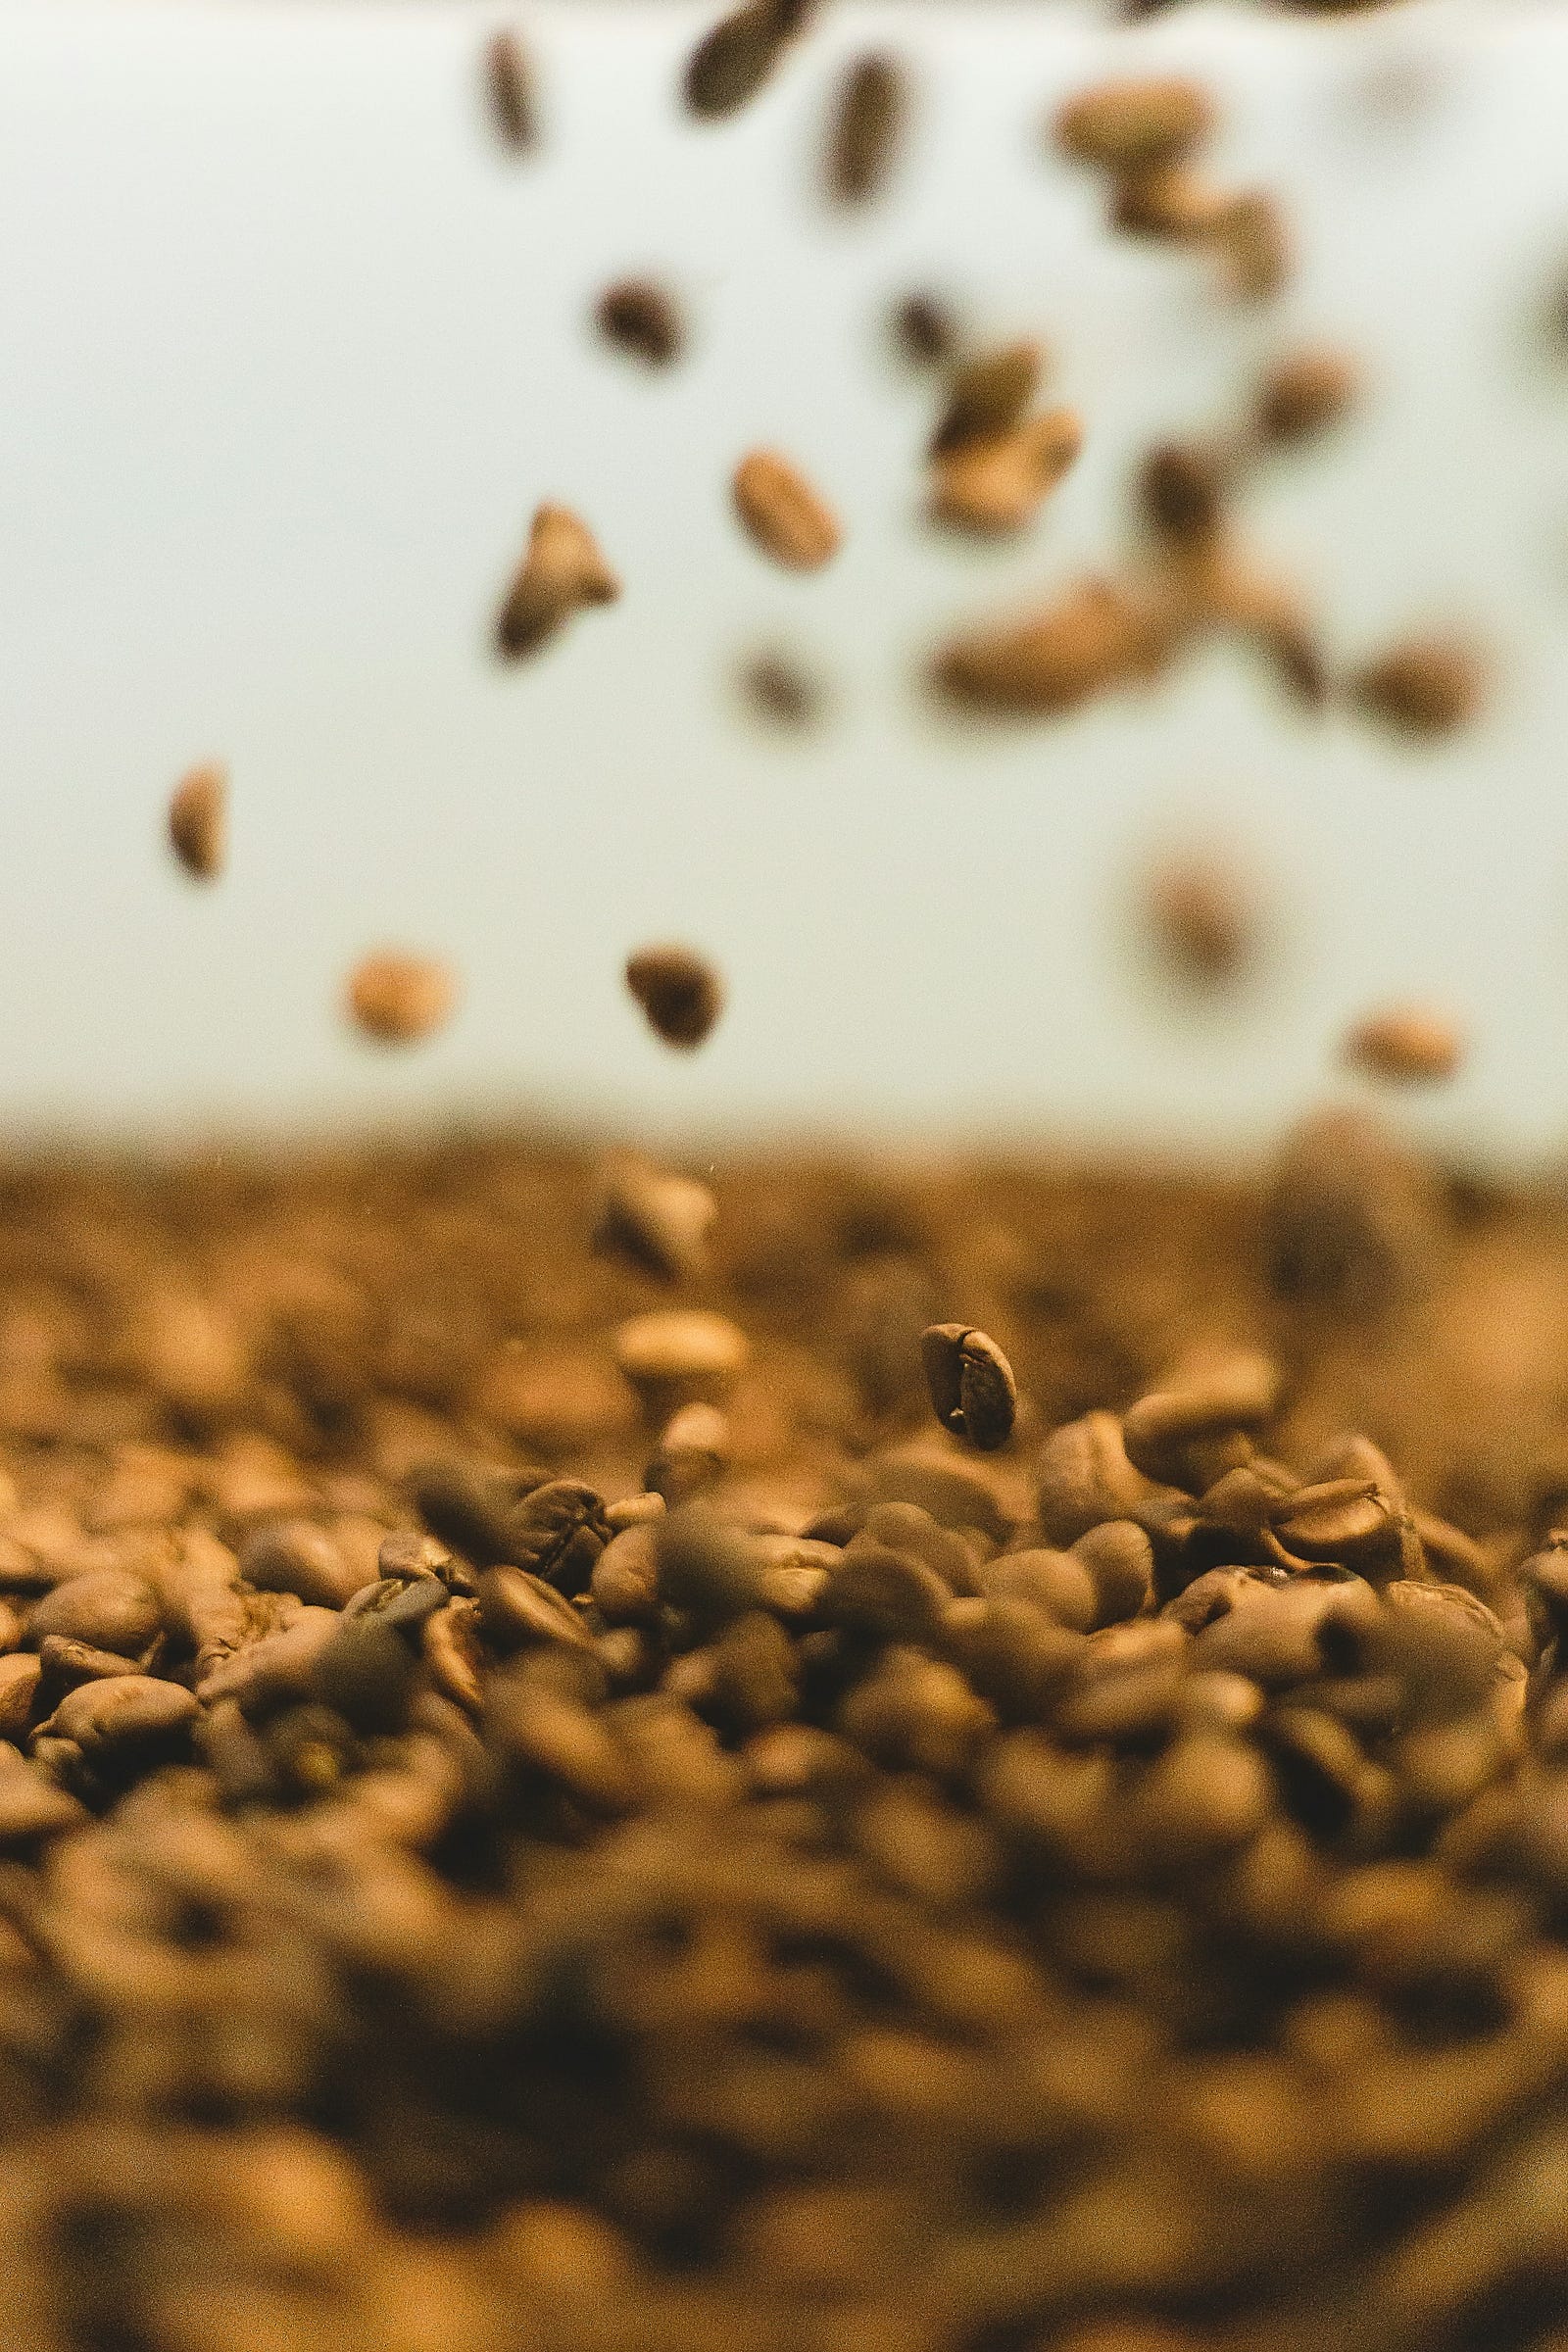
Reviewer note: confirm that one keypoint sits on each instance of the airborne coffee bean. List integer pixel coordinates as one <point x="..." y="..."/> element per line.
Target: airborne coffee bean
<point x="563" y="571"/>
<point x="644" y="319"/>
<point x="397" y="998"/>
<point x="1406" y="1042"/>
<point x="680" y="993"/>
<point x="514" y="97"/>
<point x="198" y="822"/>
<point x="782" y="512"/>
<point x="869" y="111"/>
<point x="734" y="58"/>
<point x="971" y="1386"/>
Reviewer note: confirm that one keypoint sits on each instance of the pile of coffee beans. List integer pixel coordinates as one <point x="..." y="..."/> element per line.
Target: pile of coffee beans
<point x="815" y="1759"/>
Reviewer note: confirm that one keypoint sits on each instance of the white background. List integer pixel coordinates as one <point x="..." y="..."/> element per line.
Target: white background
<point x="289" y="350"/>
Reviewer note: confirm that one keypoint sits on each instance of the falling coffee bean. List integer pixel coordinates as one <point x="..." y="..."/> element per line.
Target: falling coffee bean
<point x="867" y="119"/>
<point x="1121" y="125"/>
<point x="1407" y="1043"/>
<point x="398" y="998"/>
<point x="1426" y="687"/>
<point x="198" y="821"/>
<point x="735" y="57"/>
<point x="782" y="512"/>
<point x="514" y="91"/>
<point x="970" y="1382"/>
<point x="562" y="573"/>
<point x="679" y="991"/>
<point x="643" y="318"/>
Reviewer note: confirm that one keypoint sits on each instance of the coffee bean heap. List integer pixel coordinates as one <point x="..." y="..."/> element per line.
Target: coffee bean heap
<point x="579" y="1772"/>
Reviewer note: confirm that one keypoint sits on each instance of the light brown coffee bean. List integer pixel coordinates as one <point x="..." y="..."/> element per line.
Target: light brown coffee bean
<point x="641" y="316"/>
<point x="1410" y="1043"/>
<point x="562" y="573"/>
<point x="109" y="1607"/>
<point x="1425" y="687"/>
<point x="20" y="1672"/>
<point x="1126" y="123"/>
<point x="1120" y="1561"/>
<point x="1184" y="1433"/>
<point x="398" y="998"/>
<point x="997" y="483"/>
<point x="867" y="122"/>
<point x="1061" y="1584"/>
<point x="1254" y="244"/>
<point x="988" y="394"/>
<point x="198" y="821"/>
<point x="1086" y="1478"/>
<point x="513" y="90"/>
<point x="291" y="1555"/>
<point x="683" y="1357"/>
<point x="127" y="1711"/>
<point x="1093" y="638"/>
<point x="1306" y="393"/>
<point x="970" y="1383"/>
<point x="782" y="514"/>
<point x="691" y="1454"/>
<point x="735" y="57"/>
<point x="1202" y="921"/>
<point x="679" y="991"/>
<point x="1165" y="201"/>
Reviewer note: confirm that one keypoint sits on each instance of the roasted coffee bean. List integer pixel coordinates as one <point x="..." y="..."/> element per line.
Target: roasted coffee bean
<point x="562" y="573"/>
<point x="198" y="821"/>
<point x="517" y="1609"/>
<point x="1095" y="637"/>
<point x="291" y="1555"/>
<point x="1128" y="124"/>
<point x="133" y="1711"/>
<point x="693" y="1454"/>
<point x="558" y="1532"/>
<point x="970" y="1383"/>
<point x="658" y="1222"/>
<point x="514" y="97"/>
<point x="705" y="1566"/>
<point x="1200" y="921"/>
<point x="643" y="318"/>
<point x="988" y="394"/>
<point x="680" y="993"/>
<point x="782" y="689"/>
<point x="1191" y="1436"/>
<point x="685" y="1356"/>
<point x="1165" y="201"/>
<point x="1181" y="492"/>
<point x="732" y="62"/>
<point x="110" y="1607"/>
<point x="1304" y="394"/>
<point x="1120" y="1561"/>
<point x="996" y="482"/>
<point x="1255" y="246"/>
<point x="1084" y="1478"/>
<point x="365" y="1671"/>
<point x="867" y="126"/>
<point x="1407" y="1043"/>
<point x="1425" y="688"/>
<point x="782" y="514"/>
<point x="398" y="998"/>
<point x="1350" y="1223"/>
<point x="924" y="330"/>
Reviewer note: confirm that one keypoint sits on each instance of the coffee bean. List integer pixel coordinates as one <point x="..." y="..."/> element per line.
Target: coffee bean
<point x="133" y="1711"/>
<point x="398" y="998"/>
<point x="782" y="514"/>
<point x="659" y="1223"/>
<point x="562" y="573"/>
<point x="1167" y="202"/>
<point x="109" y="1607"/>
<point x="1304" y="394"/>
<point x="1124" y="124"/>
<point x="988" y="395"/>
<point x="366" y="1673"/>
<point x="705" y="1566"/>
<point x="513" y="96"/>
<point x="680" y="993"/>
<point x="732" y="62"/>
<point x="644" y="319"/>
<point x="1120" y="1561"/>
<point x="1060" y="1583"/>
<point x="684" y="1357"/>
<point x="1200" y="921"/>
<point x="970" y="1382"/>
<point x="1093" y="638"/>
<point x="691" y="1454"/>
<point x="1255" y="246"/>
<point x="1407" y="1043"/>
<point x="517" y="1609"/>
<point x="867" y="124"/>
<point x="1181" y="492"/>
<point x="198" y="821"/>
<point x="1425" y="687"/>
<point x="784" y="691"/>
<point x="19" y="1683"/>
<point x="1191" y="1436"/>
<point x="996" y="482"/>
<point x="291" y="1555"/>
<point x="924" y="330"/>
<point x="1084" y="1478"/>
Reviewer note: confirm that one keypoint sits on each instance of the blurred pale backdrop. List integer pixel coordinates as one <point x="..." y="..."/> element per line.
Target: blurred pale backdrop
<point x="290" y="348"/>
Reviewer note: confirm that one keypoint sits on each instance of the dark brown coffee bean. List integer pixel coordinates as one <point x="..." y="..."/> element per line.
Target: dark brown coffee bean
<point x="705" y="1566"/>
<point x="562" y="1743"/>
<point x="198" y="821"/>
<point x="513" y="96"/>
<point x="644" y="319"/>
<point x="517" y="1609"/>
<point x="562" y="573"/>
<point x="867" y="120"/>
<point x="1181" y="492"/>
<point x="890" y="1595"/>
<point x="988" y="394"/>
<point x="1425" y="688"/>
<point x="1126" y="123"/>
<point x="970" y="1383"/>
<point x="732" y="62"/>
<point x="679" y="991"/>
<point x="558" y="1532"/>
<point x="1188" y="1437"/>
<point x="1407" y="1043"/>
<point x="924" y="330"/>
<point x="1168" y="202"/>
<point x="291" y="1555"/>
<point x="398" y="998"/>
<point x="782" y="514"/>
<point x="1304" y="394"/>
